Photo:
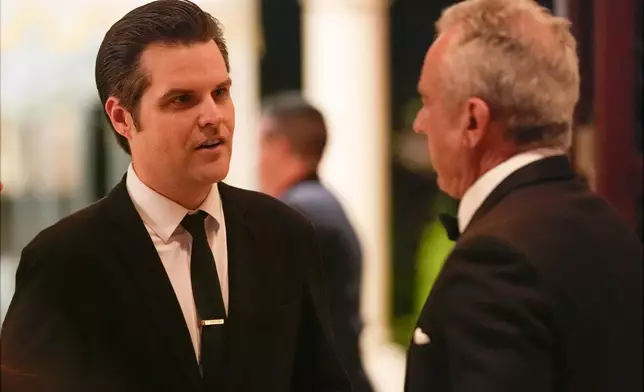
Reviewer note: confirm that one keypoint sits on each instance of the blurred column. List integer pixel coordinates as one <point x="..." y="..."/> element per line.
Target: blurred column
<point x="241" y="21"/>
<point x="345" y="44"/>
<point x="582" y="149"/>
<point x="617" y="166"/>
<point x="560" y="8"/>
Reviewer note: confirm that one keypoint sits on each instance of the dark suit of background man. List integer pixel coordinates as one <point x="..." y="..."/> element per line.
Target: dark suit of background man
<point x="174" y="281"/>
<point x="293" y="136"/>
<point x="543" y="290"/>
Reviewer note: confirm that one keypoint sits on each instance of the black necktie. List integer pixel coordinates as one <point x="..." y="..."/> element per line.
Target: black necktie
<point x="450" y="224"/>
<point x="209" y="302"/>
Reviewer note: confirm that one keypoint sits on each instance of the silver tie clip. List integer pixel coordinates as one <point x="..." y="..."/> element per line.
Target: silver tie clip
<point x="212" y="322"/>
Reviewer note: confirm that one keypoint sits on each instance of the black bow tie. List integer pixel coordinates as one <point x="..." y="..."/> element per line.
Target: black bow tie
<point x="450" y="224"/>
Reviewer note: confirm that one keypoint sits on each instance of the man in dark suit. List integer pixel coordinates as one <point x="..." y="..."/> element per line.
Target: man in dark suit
<point x="293" y="136"/>
<point x="174" y="281"/>
<point x="543" y="290"/>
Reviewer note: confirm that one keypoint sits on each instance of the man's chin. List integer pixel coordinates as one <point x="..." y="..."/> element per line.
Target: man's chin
<point x="213" y="174"/>
<point x="451" y="188"/>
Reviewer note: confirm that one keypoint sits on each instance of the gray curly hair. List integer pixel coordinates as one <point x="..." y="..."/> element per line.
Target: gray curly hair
<point x="520" y="60"/>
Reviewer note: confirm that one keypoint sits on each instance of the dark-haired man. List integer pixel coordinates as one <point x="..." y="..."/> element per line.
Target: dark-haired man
<point x="174" y="281"/>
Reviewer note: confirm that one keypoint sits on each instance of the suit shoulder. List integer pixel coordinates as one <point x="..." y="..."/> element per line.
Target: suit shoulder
<point x="318" y="204"/>
<point x="309" y="192"/>
<point x="68" y="232"/>
<point x="562" y="209"/>
<point x="561" y="227"/>
<point x="268" y="207"/>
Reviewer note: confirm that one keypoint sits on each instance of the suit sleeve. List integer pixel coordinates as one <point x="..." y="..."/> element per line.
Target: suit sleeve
<point x="40" y="350"/>
<point x="335" y="274"/>
<point x="497" y="321"/>
<point x="317" y="367"/>
<point x="337" y="268"/>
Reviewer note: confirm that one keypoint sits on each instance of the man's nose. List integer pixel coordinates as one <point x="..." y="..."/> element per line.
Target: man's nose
<point x="211" y="114"/>
<point x="417" y="126"/>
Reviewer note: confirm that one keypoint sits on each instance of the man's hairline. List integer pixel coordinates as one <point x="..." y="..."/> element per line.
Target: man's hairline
<point x="138" y="66"/>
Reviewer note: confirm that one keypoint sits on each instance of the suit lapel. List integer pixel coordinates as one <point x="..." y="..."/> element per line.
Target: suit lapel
<point x="245" y="280"/>
<point x="141" y="261"/>
<point x="548" y="169"/>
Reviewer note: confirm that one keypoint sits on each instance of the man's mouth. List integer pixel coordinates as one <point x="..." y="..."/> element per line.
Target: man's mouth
<point x="210" y="144"/>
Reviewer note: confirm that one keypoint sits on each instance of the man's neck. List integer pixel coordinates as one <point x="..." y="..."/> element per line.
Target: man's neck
<point x="491" y="160"/>
<point x="190" y="196"/>
<point x="493" y="175"/>
<point x="293" y="176"/>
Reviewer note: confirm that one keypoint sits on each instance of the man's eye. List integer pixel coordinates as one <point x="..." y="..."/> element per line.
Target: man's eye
<point x="221" y="92"/>
<point x="182" y="99"/>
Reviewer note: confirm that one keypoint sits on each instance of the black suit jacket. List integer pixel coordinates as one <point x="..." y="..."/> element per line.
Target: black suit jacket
<point x="342" y="260"/>
<point x="94" y="310"/>
<point x="542" y="292"/>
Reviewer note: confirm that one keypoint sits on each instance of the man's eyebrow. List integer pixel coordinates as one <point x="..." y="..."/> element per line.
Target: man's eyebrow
<point x="177" y="91"/>
<point x="187" y="91"/>
<point x="226" y="83"/>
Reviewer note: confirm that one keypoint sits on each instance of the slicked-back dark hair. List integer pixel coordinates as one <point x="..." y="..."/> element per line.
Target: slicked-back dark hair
<point x="118" y="62"/>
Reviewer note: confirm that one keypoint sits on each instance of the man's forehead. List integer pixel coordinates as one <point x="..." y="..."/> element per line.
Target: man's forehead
<point x="433" y="59"/>
<point x="184" y="64"/>
<point x="439" y="47"/>
<point x="268" y="123"/>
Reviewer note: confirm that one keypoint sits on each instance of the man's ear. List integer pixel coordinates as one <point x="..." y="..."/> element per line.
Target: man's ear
<point x="477" y="121"/>
<point x="282" y="145"/>
<point x="121" y="118"/>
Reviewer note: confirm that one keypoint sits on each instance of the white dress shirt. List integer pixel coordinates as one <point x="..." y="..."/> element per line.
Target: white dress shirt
<point x="483" y="187"/>
<point x="162" y="218"/>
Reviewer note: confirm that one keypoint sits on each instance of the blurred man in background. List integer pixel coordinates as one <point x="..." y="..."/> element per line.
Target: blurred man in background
<point x="293" y="136"/>
<point x="543" y="290"/>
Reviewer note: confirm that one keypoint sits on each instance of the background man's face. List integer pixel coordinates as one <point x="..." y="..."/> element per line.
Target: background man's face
<point x="273" y="154"/>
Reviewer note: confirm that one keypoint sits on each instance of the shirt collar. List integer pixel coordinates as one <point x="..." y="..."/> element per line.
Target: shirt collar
<point x="483" y="187"/>
<point x="161" y="214"/>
